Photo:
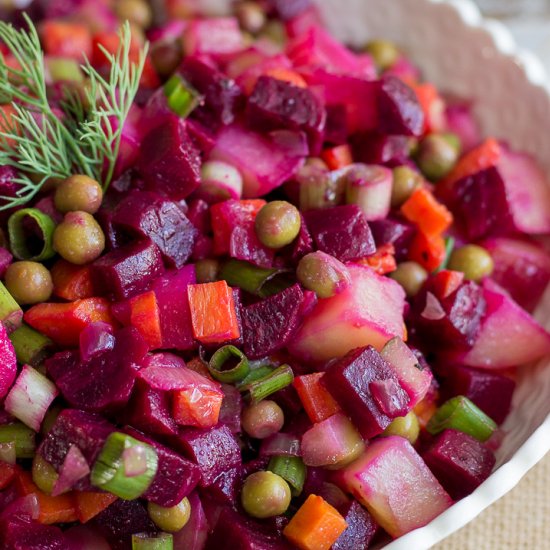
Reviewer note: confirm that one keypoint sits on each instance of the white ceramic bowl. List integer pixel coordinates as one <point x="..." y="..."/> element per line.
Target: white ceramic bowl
<point x="475" y="59"/>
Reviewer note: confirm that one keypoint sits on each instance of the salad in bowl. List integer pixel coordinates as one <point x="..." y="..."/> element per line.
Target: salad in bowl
<point x="260" y="289"/>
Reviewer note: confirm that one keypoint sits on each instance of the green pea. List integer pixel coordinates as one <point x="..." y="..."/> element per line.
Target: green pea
<point x="411" y="276"/>
<point x="437" y="155"/>
<point x="405" y="181"/>
<point x="404" y="426"/>
<point x="384" y="53"/>
<point x="473" y="260"/>
<point x="323" y="274"/>
<point x="170" y="519"/>
<point x="78" y="193"/>
<point x="43" y="474"/>
<point x="29" y="282"/>
<point x="265" y="494"/>
<point x="278" y="224"/>
<point x="262" y="419"/>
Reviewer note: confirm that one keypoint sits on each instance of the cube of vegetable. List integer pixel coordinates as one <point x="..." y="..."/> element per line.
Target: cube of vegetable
<point x="396" y="486"/>
<point x="144" y="316"/>
<point x="217" y="35"/>
<point x="316" y="399"/>
<point x="360" y="530"/>
<point x="213" y="312"/>
<point x="11" y="315"/>
<point x="8" y="362"/>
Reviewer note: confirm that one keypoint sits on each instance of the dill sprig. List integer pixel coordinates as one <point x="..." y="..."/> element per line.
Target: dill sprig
<point x="81" y="136"/>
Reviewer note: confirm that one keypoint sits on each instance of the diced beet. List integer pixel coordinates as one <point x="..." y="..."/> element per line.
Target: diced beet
<point x="193" y="536"/>
<point x="276" y="104"/>
<point x="233" y="530"/>
<point x="20" y="533"/>
<point x="106" y="380"/>
<point x="86" y="431"/>
<point x="461" y="121"/>
<point x="214" y="36"/>
<point x="232" y="404"/>
<point x="8" y="362"/>
<point x="391" y="231"/>
<point x="148" y="214"/>
<point x="150" y="410"/>
<point x="490" y="391"/>
<point x="373" y="148"/>
<point x="336" y="127"/>
<point x="199" y="215"/>
<point x="169" y="160"/>
<point x="399" y="111"/>
<point x="5" y="260"/>
<point x="460" y="322"/>
<point x="350" y="381"/>
<point x="393" y="481"/>
<point x="119" y="521"/>
<point x="226" y="487"/>
<point x="174" y="312"/>
<point x="360" y="530"/>
<point x="341" y="231"/>
<point x="265" y="162"/>
<point x="460" y="462"/>
<point x="176" y="476"/>
<point x="214" y="450"/>
<point x="128" y="270"/>
<point x="302" y="245"/>
<point x="269" y="325"/>
<point x="221" y="95"/>
<point x="521" y="267"/>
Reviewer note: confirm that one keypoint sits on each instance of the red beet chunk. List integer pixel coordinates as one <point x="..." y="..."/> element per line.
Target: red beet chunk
<point x="276" y="104"/>
<point x="226" y="487"/>
<point x="8" y="186"/>
<point x="214" y="451"/>
<point x="341" y="231"/>
<point x="269" y="324"/>
<point x="222" y="97"/>
<point x="21" y="533"/>
<point x="128" y="270"/>
<point x="490" y="391"/>
<point x="105" y="381"/>
<point x="392" y="231"/>
<point x="459" y="324"/>
<point x="361" y="527"/>
<point x="169" y="160"/>
<point x="147" y="214"/>
<point x="399" y="111"/>
<point x="351" y="379"/>
<point x="176" y="476"/>
<point x="374" y="148"/>
<point x="460" y="462"/>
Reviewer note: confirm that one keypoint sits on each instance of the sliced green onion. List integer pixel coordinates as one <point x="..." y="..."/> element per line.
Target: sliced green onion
<point x="276" y="380"/>
<point x="11" y="313"/>
<point x="31" y="347"/>
<point x="320" y="188"/>
<point x="146" y="541"/>
<point x="257" y="372"/>
<point x="459" y="413"/>
<point x="260" y="281"/>
<point x="449" y="246"/>
<point x="25" y="246"/>
<point x="292" y="469"/>
<point x="222" y="358"/>
<point x="108" y="472"/>
<point x="21" y="436"/>
<point x="181" y="97"/>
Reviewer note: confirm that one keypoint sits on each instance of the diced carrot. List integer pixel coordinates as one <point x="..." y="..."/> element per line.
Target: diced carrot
<point x="7" y="473"/>
<point x="423" y="209"/>
<point x="59" y="509"/>
<point x="428" y="251"/>
<point x="432" y="105"/>
<point x="7" y="124"/>
<point x="66" y="39"/>
<point x="446" y="282"/>
<point x="317" y="401"/>
<point x="197" y="406"/>
<point x="337" y="157"/>
<point x="213" y="314"/>
<point x="89" y="504"/>
<point x="63" y="323"/>
<point x="315" y="526"/>
<point x="288" y="75"/>
<point x="383" y="260"/>
<point x="144" y="316"/>
<point x="71" y="282"/>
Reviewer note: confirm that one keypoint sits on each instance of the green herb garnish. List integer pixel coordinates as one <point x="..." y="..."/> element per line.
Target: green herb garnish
<point x="42" y="143"/>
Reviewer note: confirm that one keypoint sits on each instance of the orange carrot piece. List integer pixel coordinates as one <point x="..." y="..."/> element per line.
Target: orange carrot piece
<point x="446" y="282"/>
<point x="59" y="509"/>
<point x="432" y="105"/>
<point x="89" y="504"/>
<point x="317" y="401"/>
<point x="288" y="75"/>
<point x="63" y="323"/>
<point x="144" y="316"/>
<point x="71" y="282"/>
<point x="315" y="526"/>
<point x="213" y="314"/>
<point x="383" y="260"/>
<point x="198" y="407"/>
<point x="337" y="157"/>
<point x="428" y="251"/>
<point x="423" y="209"/>
<point x="66" y="39"/>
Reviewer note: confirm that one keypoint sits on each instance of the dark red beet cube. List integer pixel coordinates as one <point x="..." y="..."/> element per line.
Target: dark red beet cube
<point x="361" y="527"/>
<point x="399" y="233"/>
<point x="215" y="451"/>
<point x="374" y="148"/>
<point x="460" y="462"/>
<point x="169" y="160"/>
<point x="21" y="533"/>
<point x="226" y="487"/>
<point x="399" y="111"/>
<point x="269" y="324"/>
<point x="350" y="381"/>
<point x="128" y="270"/>
<point x="276" y="104"/>
<point x="341" y="231"/>
<point x="151" y="215"/>
<point x="490" y="391"/>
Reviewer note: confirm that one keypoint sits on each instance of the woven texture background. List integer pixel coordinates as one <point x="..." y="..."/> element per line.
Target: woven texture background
<point x="520" y="520"/>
